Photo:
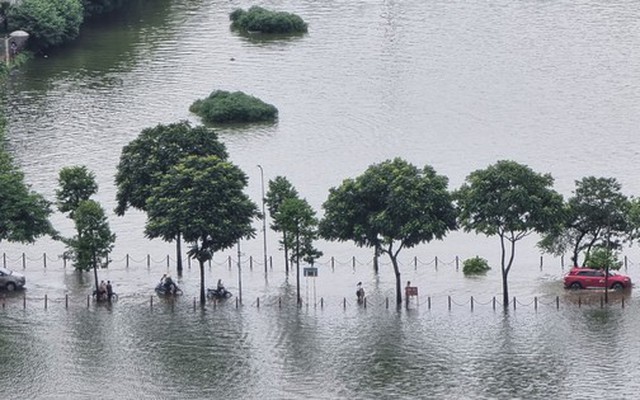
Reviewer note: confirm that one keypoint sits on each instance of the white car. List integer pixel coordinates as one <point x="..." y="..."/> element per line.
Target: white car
<point x="10" y="280"/>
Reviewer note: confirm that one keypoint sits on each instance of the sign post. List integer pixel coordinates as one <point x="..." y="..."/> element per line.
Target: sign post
<point x="310" y="272"/>
<point x="410" y="291"/>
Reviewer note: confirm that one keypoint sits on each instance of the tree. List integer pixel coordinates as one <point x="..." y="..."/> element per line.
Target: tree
<point x="597" y="215"/>
<point x="146" y="159"/>
<point x="633" y="216"/>
<point x="298" y="218"/>
<point x="391" y="206"/>
<point x="509" y="200"/>
<point x="202" y="197"/>
<point x="49" y="22"/>
<point x="280" y="189"/>
<point x="76" y="185"/>
<point x="603" y="258"/>
<point x="24" y="214"/>
<point x="90" y="248"/>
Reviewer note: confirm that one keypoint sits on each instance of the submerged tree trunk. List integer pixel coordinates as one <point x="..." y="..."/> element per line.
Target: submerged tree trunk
<point x="505" y="288"/>
<point x="506" y="268"/>
<point x="376" y="256"/>
<point x="286" y="253"/>
<point x="396" y="270"/>
<point x="298" y="268"/>
<point x="95" y="276"/>
<point x="179" y="253"/>
<point x="202" y="296"/>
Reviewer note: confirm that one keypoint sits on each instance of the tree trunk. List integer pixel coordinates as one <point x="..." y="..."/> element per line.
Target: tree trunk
<point x="286" y="253"/>
<point x="179" y="253"/>
<point x="95" y="276"/>
<point x="505" y="288"/>
<point x="202" y="296"/>
<point x="506" y="268"/>
<point x="376" y="256"/>
<point x="396" y="269"/>
<point x="298" y="268"/>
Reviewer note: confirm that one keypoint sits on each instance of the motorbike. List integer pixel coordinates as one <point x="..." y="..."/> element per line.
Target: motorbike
<point x="161" y="289"/>
<point x="218" y="294"/>
<point x="114" y="296"/>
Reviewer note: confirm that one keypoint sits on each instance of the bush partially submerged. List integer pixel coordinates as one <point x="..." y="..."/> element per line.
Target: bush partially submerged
<point x="262" y="20"/>
<point x="600" y="257"/>
<point x="475" y="266"/>
<point x="223" y="107"/>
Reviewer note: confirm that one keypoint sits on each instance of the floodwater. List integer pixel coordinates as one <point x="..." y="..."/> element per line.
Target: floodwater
<point x="457" y="85"/>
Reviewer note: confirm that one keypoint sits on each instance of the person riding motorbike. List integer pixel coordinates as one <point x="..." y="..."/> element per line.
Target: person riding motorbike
<point x="169" y="285"/>
<point x="359" y="292"/>
<point x="220" y="287"/>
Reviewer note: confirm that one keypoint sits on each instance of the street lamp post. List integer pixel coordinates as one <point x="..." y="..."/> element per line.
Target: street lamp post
<point x="264" y="220"/>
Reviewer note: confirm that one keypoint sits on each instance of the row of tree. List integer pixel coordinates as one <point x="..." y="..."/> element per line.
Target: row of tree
<point x="393" y="205"/>
<point x="181" y="177"/>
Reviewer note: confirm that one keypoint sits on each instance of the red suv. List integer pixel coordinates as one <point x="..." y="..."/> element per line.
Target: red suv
<point x="582" y="278"/>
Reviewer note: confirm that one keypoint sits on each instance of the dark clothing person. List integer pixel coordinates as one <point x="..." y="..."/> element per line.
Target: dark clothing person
<point x="169" y="286"/>
<point x="360" y="292"/>
<point x="109" y="290"/>
<point x="220" y="287"/>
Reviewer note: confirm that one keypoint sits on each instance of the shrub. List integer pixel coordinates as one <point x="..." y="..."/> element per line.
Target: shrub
<point x="223" y="107"/>
<point x="475" y="266"/>
<point x="600" y="257"/>
<point x="49" y="22"/>
<point x="262" y="20"/>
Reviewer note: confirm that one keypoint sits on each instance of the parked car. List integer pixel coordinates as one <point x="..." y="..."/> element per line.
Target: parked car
<point x="10" y="280"/>
<point x="583" y="278"/>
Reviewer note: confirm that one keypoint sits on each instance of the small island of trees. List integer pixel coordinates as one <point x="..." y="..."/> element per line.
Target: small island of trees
<point x="222" y="107"/>
<point x="258" y="19"/>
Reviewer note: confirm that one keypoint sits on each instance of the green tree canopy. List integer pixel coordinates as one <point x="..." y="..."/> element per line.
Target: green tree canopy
<point x="24" y="214"/>
<point x="76" y="184"/>
<point x="279" y="190"/>
<point x="146" y="159"/>
<point x="202" y="197"/>
<point x="603" y="258"/>
<point x="509" y="200"/>
<point x="258" y="19"/>
<point x="391" y="206"/>
<point x="49" y="22"/>
<point x="91" y="246"/>
<point x="597" y="215"/>
<point x="296" y="216"/>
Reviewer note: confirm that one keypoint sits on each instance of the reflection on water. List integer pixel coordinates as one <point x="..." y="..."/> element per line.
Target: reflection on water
<point x="162" y="348"/>
<point x="456" y="85"/>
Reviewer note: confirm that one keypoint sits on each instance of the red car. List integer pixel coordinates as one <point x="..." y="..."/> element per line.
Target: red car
<point x="582" y="278"/>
